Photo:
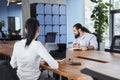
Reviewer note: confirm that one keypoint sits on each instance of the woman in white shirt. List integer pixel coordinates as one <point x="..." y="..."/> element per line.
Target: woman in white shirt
<point x="28" y="53"/>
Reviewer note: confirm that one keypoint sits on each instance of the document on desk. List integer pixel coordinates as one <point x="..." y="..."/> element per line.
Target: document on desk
<point x="76" y="49"/>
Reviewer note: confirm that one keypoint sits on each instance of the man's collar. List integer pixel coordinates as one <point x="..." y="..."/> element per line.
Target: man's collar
<point x="82" y="37"/>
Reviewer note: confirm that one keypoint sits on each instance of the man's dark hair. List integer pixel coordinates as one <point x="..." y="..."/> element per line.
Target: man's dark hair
<point x="79" y="26"/>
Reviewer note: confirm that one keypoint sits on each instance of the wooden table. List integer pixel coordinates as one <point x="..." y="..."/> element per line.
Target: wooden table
<point x="6" y="47"/>
<point x="99" y="61"/>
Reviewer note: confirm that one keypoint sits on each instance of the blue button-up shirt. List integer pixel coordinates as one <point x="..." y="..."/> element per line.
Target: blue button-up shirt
<point x="87" y="40"/>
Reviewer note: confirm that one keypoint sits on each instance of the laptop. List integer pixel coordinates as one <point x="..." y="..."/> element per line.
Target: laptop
<point x="59" y="51"/>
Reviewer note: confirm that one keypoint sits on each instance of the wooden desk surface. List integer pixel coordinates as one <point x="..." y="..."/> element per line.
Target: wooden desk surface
<point x="99" y="61"/>
<point x="69" y="71"/>
<point x="7" y="47"/>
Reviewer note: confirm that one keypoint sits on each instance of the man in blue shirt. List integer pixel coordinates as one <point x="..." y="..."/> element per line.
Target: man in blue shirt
<point x="83" y="38"/>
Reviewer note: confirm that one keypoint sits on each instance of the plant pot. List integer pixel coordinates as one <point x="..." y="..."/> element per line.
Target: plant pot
<point x="102" y="46"/>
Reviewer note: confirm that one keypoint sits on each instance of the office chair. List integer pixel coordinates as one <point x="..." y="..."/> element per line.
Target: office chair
<point x="4" y="37"/>
<point x="14" y="35"/>
<point x="97" y="75"/>
<point x="50" y="37"/>
<point x="3" y="34"/>
<point x="6" y="71"/>
<point x="115" y="46"/>
<point x="98" y="37"/>
<point x="17" y="32"/>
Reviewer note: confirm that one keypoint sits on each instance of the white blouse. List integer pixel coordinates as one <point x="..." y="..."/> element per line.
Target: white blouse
<point x="27" y="60"/>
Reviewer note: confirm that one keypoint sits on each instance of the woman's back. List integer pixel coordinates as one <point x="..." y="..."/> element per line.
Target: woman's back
<point x="27" y="53"/>
<point x="28" y="60"/>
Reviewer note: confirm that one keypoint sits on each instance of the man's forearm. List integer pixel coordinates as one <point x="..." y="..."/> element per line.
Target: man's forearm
<point x="90" y="47"/>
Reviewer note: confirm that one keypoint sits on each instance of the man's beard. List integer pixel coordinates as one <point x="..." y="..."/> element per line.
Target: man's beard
<point x="77" y="35"/>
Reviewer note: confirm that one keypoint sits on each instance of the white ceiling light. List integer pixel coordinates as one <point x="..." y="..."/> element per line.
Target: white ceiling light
<point x="19" y="3"/>
<point x="16" y="1"/>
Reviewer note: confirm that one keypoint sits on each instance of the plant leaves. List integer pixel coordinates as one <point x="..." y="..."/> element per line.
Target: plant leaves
<point x="94" y="1"/>
<point x="100" y="17"/>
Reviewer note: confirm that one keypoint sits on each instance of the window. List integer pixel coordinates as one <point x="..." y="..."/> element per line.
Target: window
<point x="116" y="4"/>
<point x="116" y="24"/>
<point x="89" y="6"/>
<point x="115" y="18"/>
<point x="88" y="11"/>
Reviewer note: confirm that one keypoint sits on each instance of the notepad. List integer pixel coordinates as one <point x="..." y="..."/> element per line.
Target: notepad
<point x="76" y="49"/>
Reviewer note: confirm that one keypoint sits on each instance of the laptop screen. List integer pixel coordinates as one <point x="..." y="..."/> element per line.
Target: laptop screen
<point x="60" y="52"/>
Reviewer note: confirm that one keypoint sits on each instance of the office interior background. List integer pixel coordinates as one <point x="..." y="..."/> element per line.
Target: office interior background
<point x="58" y="16"/>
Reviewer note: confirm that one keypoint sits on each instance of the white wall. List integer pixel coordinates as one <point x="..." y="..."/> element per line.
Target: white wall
<point x="75" y="14"/>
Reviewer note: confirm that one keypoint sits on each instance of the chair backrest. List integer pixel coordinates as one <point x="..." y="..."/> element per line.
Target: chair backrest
<point x="97" y="75"/>
<point x="115" y="45"/>
<point x="17" y="31"/>
<point x="3" y="34"/>
<point x="98" y="37"/>
<point x="7" y="72"/>
<point x="50" y="37"/>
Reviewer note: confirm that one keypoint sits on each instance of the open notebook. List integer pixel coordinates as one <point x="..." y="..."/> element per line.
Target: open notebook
<point x="76" y="49"/>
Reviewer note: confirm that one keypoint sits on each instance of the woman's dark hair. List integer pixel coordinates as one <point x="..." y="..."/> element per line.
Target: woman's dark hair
<point x="79" y="26"/>
<point x="31" y="26"/>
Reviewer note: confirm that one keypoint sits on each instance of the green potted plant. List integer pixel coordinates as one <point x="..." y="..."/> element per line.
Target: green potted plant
<point x="100" y="17"/>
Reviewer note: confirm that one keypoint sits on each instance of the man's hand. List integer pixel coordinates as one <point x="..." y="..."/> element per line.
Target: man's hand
<point x="84" y="48"/>
<point x="76" y="45"/>
<point x="87" y="48"/>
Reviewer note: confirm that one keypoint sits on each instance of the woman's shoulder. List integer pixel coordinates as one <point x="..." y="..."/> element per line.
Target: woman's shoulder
<point x="36" y="42"/>
<point x="20" y="42"/>
<point x="23" y="41"/>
